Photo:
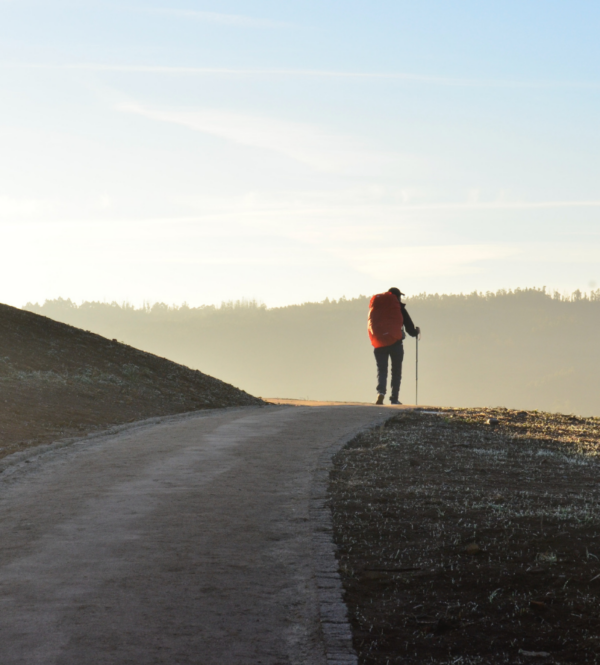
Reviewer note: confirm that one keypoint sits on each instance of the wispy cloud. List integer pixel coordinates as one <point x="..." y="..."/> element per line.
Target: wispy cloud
<point x="425" y="261"/>
<point x="302" y="142"/>
<point x="356" y="205"/>
<point x="501" y="205"/>
<point x="11" y="208"/>
<point x="216" y="17"/>
<point x="305" y="73"/>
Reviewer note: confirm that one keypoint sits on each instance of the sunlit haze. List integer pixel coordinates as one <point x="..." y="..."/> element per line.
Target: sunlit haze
<point x="293" y="151"/>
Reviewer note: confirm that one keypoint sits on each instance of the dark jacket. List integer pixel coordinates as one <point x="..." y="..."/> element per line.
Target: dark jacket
<point x="409" y="326"/>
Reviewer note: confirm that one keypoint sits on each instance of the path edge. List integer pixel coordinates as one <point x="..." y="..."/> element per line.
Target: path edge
<point x="333" y="612"/>
<point x="15" y="460"/>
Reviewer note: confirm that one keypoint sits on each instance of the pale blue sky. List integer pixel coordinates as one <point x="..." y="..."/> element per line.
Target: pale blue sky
<point x="292" y="151"/>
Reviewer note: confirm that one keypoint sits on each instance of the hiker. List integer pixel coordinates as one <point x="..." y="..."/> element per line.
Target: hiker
<point x="388" y="321"/>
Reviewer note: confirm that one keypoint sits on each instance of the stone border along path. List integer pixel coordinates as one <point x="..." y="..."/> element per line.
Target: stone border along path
<point x="337" y="633"/>
<point x="199" y="539"/>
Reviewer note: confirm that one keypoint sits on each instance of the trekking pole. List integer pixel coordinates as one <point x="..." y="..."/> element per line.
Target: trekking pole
<point x="417" y="374"/>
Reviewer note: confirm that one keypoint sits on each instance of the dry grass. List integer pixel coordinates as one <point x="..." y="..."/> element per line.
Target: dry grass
<point x="58" y="382"/>
<point x="467" y="542"/>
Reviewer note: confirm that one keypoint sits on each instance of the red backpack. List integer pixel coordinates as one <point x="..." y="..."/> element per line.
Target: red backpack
<point x="385" y="320"/>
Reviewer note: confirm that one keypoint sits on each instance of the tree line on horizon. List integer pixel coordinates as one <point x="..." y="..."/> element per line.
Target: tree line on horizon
<point x="523" y="348"/>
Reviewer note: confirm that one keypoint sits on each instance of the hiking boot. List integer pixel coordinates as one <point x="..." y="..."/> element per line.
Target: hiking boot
<point x="395" y="401"/>
<point x="379" y="399"/>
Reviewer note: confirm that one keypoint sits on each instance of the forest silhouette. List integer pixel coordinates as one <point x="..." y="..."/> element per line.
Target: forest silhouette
<point x="525" y="349"/>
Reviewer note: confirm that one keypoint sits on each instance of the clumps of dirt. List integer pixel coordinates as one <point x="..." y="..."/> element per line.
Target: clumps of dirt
<point x="57" y="381"/>
<point x="471" y="536"/>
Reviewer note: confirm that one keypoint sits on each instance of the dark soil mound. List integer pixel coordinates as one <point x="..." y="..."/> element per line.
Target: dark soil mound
<point x="58" y="381"/>
<point x="471" y="536"/>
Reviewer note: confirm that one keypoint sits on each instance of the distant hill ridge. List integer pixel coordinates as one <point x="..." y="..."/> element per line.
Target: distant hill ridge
<point x="523" y="349"/>
<point x="57" y="380"/>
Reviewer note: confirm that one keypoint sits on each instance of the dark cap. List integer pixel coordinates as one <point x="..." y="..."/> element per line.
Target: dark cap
<point x="395" y="291"/>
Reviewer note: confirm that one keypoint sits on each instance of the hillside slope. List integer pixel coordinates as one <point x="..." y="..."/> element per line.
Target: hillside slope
<point x="58" y="381"/>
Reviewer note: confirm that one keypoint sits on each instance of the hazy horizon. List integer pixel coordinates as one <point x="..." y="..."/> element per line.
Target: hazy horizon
<point x="525" y="349"/>
<point x="241" y="302"/>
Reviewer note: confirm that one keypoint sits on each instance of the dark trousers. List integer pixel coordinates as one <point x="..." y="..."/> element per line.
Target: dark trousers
<point x="396" y="353"/>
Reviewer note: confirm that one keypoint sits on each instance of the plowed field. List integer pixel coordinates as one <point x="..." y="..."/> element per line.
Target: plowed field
<point x="468" y="540"/>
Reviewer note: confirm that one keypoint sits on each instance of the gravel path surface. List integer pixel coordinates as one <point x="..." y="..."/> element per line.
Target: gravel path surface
<point x="182" y="542"/>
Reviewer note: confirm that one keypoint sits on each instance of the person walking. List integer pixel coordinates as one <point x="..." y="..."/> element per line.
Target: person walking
<point x="388" y="322"/>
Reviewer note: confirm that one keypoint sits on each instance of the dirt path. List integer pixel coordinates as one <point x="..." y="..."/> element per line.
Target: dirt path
<point x="183" y="542"/>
